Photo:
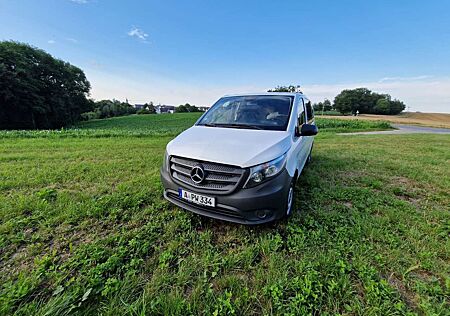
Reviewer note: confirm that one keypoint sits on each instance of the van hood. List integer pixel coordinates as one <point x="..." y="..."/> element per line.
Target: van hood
<point x="231" y="146"/>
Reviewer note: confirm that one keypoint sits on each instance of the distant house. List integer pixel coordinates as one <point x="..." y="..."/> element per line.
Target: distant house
<point x="139" y="106"/>
<point x="203" y="108"/>
<point x="160" y="109"/>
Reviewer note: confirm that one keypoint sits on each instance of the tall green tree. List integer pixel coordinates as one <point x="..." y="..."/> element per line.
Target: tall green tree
<point x="182" y="108"/>
<point x="363" y="100"/>
<point x="290" y="88"/>
<point x="323" y="106"/>
<point x="396" y="106"/>
<point x="151" y="108"/>
<point x="382" y="106"/>
<point x="344" y="102"/>
<point x="39" y="91"/>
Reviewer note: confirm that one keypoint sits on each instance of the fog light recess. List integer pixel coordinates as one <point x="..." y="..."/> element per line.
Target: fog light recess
<point x="262" y="214"/>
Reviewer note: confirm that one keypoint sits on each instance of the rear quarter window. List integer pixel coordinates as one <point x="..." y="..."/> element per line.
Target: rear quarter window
<point x="309" y="111"/>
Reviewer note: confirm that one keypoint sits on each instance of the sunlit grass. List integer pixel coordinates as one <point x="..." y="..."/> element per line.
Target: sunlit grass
<point x="84" y="229"/>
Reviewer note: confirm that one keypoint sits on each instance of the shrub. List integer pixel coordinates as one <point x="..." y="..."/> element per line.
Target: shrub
<point x="143" y="111"/>
<point x="90" y="116"/>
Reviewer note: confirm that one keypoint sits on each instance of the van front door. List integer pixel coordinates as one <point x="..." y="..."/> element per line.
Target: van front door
<point x="310" y="120"/>
<point x="301" y="141"/>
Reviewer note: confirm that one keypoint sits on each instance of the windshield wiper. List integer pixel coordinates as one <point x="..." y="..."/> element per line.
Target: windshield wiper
<point x="245" y="126"/>
<point x="231" y="125"/>
<point x="209" y="125"/>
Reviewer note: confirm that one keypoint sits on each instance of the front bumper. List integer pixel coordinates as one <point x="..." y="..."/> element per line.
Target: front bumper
<point x="261" y="204"/>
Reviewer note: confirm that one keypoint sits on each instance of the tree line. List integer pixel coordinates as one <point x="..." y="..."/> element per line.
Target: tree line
<point x="362" y="100"/>
<point x="107" y="108"/>
<point x="110" y="108"/>
<point x="184" y="108"/>
<point x="359" y="100"/>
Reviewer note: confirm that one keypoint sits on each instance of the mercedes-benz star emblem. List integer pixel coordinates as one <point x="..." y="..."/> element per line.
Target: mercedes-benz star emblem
<point x="197" y="174"/>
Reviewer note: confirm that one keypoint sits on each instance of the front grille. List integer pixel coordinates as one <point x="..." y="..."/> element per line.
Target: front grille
<point x="218" y="177"/>
<point x="213" y="210"/>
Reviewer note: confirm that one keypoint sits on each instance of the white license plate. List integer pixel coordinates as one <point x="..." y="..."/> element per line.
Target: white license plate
<point x="197" y="198"/>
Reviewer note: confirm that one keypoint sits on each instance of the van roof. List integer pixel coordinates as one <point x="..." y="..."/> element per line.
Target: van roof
<point x="293" y="94"/>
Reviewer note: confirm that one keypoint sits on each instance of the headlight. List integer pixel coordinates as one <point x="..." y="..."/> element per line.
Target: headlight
<point x="265" y="171"/>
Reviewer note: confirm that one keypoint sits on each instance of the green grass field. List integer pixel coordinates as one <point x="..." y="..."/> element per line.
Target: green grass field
<point x="84" y="228"/>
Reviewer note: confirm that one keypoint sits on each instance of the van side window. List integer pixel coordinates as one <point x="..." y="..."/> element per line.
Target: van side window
<point x="301" y="114"/>
<point x="309" y="111"/>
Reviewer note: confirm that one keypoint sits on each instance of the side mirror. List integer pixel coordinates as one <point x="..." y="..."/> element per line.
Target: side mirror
<point x="307" y="130"/>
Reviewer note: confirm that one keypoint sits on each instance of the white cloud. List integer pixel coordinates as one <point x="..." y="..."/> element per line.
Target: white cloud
<point x="80" y="1"/>
<point x="388" y="79"/>
<point x="51" y="41"/>
<point x="138" y="33"/>
<point x="69" y="39"/>
<point x="140" y="88"/>
<point x="426" y="95"/>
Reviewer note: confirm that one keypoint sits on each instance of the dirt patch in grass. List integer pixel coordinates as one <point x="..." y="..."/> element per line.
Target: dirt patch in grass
<point x="406" y="189"/>
<point x="407" y="296"/>
<point x="409" y="199"/>
<point x="423" y="275"/>
<point x="21" y="260"/>
<point x="348" y="204"/>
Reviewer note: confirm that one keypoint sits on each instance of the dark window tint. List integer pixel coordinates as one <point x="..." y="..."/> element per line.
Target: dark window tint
<point x="309" y="111"/>
<point x="301" y="116"/>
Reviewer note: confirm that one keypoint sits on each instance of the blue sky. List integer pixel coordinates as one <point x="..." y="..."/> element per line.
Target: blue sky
<point x="195" y="51"/>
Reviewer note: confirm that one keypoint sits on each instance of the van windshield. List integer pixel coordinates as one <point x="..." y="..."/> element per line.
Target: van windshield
<point x="269" y="112"/>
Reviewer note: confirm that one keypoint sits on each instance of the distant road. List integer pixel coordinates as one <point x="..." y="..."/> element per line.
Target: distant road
<point x="405" y="129"/>
<point x="438" y="120"/>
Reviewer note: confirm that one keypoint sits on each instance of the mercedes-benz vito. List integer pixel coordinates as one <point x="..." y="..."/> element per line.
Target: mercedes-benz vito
<point x="241" y="159"/>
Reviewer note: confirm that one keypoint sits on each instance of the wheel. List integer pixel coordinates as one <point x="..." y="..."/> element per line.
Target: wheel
<point x="290" y="198"/>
